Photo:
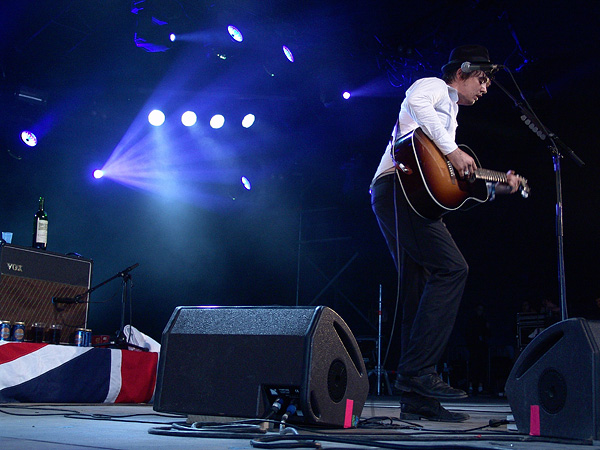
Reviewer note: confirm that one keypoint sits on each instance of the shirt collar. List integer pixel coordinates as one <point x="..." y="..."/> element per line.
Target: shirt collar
<point x="453" y="93"/>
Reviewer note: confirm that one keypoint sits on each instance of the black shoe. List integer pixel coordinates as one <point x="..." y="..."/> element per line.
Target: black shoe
<point x="430" y="385"/>
<point x="415" y="407"/>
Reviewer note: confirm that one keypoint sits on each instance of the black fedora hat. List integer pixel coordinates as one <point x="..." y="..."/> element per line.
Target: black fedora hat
<point x="471" y="53"/>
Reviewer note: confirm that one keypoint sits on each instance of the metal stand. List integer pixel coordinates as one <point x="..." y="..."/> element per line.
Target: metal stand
<point x="535" y="125"/>
<point x="120" y="341"/>
<point x="379" y="370"/>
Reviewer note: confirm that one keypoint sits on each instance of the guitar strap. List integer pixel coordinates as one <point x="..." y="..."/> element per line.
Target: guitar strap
<point x="393" y="140"/>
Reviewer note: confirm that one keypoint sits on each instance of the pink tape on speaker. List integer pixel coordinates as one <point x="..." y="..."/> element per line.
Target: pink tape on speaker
<point x="348" y="415"/>
<point x="534" y="420"/>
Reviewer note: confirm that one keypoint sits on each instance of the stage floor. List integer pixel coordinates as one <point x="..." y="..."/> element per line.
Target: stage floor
<point x="127" y="427"/>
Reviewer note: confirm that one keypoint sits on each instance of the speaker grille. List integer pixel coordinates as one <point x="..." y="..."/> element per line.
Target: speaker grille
<point x="337" y="381"/>
<point x="552" y="390"/>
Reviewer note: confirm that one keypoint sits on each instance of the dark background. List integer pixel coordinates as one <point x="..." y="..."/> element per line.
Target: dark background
<point x="305" y="233"/>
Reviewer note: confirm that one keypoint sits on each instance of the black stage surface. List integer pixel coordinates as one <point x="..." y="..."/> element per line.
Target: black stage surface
<point x="69" y="426"/>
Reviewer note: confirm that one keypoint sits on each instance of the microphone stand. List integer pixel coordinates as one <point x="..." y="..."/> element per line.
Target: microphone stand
<point x="380" y="370"/>
<point x="532" y="121"/>
<point x="120" y="342"/>
<point x="78" y="298"/>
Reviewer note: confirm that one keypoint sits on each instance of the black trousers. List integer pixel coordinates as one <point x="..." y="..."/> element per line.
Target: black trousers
<point x="433" y="273"/>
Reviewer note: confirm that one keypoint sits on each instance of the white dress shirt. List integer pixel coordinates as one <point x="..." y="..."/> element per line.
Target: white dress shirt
<point x="432" y="105"/>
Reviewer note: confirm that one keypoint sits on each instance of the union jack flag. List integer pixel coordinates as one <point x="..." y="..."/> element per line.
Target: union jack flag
<point x="46" y="373"/>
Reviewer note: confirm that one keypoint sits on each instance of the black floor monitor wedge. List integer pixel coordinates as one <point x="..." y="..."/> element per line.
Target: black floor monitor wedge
<point x="236" y="361"/>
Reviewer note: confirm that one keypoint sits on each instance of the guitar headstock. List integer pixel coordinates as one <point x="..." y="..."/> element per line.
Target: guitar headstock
<point x="523" y="186"/>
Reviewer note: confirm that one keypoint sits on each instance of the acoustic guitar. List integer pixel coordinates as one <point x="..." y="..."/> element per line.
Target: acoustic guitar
<point x="430" y="183"/>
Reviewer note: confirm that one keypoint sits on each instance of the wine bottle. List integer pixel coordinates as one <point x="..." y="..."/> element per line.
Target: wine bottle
<point x="40" y="227"/>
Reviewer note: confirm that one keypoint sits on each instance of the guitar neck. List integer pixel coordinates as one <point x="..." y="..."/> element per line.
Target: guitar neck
<point x="490" y="175"/>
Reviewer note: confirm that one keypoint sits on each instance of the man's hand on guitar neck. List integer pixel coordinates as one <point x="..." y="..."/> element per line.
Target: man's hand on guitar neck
<point x="462" y="162"/>
<point x="465" y="165"/>
<point x="514" y="182"/>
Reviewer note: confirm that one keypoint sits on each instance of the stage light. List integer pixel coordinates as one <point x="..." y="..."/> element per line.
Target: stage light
<point x="346" y="95"/>
<point x="288" y="54"/>
<point x="248" y="120"/>
<point x="189" y="118"/>
<point x="217" y="121"/>
<point x="246" y="183"/>
<point x="172" y="37"/>
<point x="235" y="34"/>
<point x="156" y="117"/>
<point x="98" y="173"/>
<point x="28" y="138"/>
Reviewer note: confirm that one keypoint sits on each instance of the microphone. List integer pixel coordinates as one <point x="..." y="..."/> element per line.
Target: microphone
<point x="126" y="271"/>
<point x="468" y="67"/>
<point x="67" y="300"/>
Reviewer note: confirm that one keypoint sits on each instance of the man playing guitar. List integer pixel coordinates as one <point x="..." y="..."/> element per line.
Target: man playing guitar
<point x="432" y="269"/>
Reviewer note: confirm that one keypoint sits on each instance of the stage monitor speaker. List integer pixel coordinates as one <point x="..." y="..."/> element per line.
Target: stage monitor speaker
<point x="29" y="278"/>
<point x="237" y="361"/>
<point x="554" y="386"/>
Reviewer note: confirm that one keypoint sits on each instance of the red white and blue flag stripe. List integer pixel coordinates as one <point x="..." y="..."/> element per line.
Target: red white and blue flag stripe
<point x="45" y="373"/>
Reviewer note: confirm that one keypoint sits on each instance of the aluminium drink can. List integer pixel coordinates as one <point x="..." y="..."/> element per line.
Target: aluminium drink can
<point x="18" y="332"/>
<point x="5" y="330"/>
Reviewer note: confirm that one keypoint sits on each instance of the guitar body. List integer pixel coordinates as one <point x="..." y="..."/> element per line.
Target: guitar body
<point x="429" y="181"/>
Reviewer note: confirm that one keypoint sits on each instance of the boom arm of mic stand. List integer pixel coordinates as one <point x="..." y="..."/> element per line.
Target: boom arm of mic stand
<point x="529" y="115"/>
<point x="123" y="273"/>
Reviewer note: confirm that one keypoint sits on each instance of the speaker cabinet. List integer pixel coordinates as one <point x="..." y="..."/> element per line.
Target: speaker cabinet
<point x="29" y="278"/>
<point x="554" y="386"/>
<point x="236" y="361"/>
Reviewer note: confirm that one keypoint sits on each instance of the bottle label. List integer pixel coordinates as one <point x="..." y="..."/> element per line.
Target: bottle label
<point x="41" y="235"/>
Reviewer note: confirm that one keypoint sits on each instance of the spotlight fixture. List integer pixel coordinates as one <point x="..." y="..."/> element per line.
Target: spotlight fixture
<point x="98" y="173"/>
<point x="246" y="183"/>
<point x="28" y="138"/>
<point x="156" y="117"/>
<point x="189" y="118"/>
<point x="346" y="95"/>
<point x="288" y="54"/>
<point x="248" y="120"/>
<point x="217" y="121"/>
<point x="235" y="34"/>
